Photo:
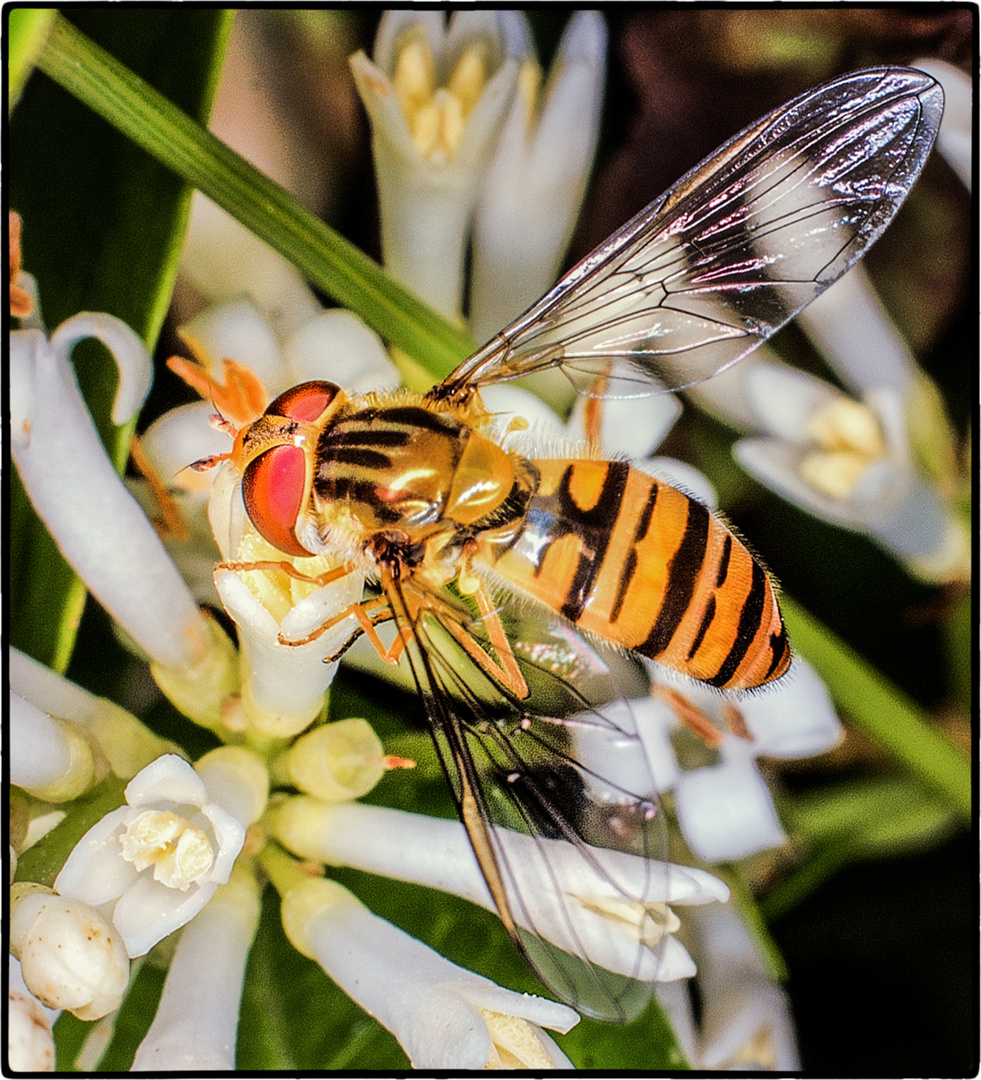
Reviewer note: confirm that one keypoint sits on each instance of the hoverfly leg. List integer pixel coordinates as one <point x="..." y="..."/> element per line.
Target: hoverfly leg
<point x="290" y="570"/>
<point x="592" y="412"/>
<point x="735" y="722"/>
<point x="690" y="715"/>
<point x="170" y="521"/>
<point x="366" y="625"/>
<point x="505" y="670"/>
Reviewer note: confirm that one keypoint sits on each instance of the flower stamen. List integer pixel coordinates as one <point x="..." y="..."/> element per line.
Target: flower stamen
<point x="848" y="438"/>
<point x="437" y="116"/>
<point x="178" y="851"/>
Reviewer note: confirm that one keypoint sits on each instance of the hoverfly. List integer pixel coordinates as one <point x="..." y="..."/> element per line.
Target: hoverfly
<point x="507" y="576"/>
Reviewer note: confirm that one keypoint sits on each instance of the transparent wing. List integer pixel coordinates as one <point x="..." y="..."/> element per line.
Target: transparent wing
<point x="568" y="853"/>
<point x="734" y="249"/>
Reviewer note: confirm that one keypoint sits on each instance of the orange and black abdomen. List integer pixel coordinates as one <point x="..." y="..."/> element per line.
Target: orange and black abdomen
<point x="635" y="561"/>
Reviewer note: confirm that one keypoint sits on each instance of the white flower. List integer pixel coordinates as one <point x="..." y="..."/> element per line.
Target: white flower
<point x="725" y="809"/>
<point x="30" y="1043"/>
<point x="196" y="1021"/>
<point x="283" y="685"/>
<point x="159" y="859"/>
<point x="850" y="463"/>
<point x="602" y="910"/>
<point x="101" y="530"/>
<point x="436" y="97"/>
<point x="746" y="1022"/>
<point x="534" y="185"/>
<point x="334" y="345"/>
<point x="444" y="1016"/>
<point x="71" y="956"/>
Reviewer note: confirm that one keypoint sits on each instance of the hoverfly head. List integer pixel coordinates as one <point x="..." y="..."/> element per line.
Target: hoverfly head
<point x="277" y="457"/>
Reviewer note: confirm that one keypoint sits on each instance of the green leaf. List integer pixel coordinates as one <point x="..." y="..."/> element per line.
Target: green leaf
<point x="27" y="29"/>
<point x="882" y="711"/>
<point x="103" y="225"/>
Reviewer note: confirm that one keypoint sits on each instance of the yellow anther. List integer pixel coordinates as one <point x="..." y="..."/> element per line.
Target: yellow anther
<point x="178" y="851"/>
<point x="469" y="76"/>
<point x="835" y="472"/>
<point x="437" y="116"/>
<point x="529" y="87"/>
<point x="415" y="73"/>
<point x="845" y="424"/>
<point x="848" y="438"/>
<point x="514" y="1043"/>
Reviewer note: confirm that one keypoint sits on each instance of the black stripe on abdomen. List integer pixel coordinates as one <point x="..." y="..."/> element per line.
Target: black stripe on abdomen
<point x="683" y="570"/>
<point x="592" y="526"/>
<point x="749" y="624"/>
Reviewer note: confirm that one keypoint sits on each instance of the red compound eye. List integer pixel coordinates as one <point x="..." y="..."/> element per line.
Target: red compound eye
<point x="274" y="489"/>
<point x="304" y="402"/>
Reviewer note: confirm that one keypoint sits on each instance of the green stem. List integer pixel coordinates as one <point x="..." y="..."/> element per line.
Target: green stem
<point x="323" y="256"/>
<point x="881" y="710"/>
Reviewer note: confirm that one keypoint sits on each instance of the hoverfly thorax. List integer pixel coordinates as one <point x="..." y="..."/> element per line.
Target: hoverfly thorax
<point x="277" y="458"/>
<point x="408" y="468"/>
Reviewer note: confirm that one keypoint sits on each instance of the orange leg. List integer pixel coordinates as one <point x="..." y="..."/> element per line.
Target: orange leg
<point x="690" y="715"/>
<point x="290" y="570"/>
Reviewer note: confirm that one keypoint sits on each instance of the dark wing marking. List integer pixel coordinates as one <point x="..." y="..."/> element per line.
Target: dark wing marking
<point x="734" y="249"/>
<point x="543" y="815"/>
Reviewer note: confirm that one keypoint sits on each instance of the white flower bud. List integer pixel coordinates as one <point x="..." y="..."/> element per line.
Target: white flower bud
<point x="71" y="956"/>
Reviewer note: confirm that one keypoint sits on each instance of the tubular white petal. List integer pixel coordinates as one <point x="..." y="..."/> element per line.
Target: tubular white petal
<point x="48" y="758"/>
<point x="132" y="360"/>
<point x="725" y="811"/>
<point x="675" y="999"/>
<point x="431" y="1006"/>
<point x="235" y="329"/>
<point x="854" y="333"/>
<point x="237" y="780"/>
<point x="148" y="911"/>
<point x="168" y="779"/>
<point x="230" y="836"/>
<point x="338" y="346"/>
<point x="284" y="685"/>
<point x="436" y="852"/>
<point x="631" y="426"/>
<point x="674" y="963"/>
<point x="95" y="870"/>
<point x="681" y="475"/>
<point x="784" y="399"/>
<point x="98" y="525"/>
<point x="183" y="435"/>
<point x="955" y="138"/>
<point x="511" y="403"/>
<point x="197" y="1019"/>
<point x="535" y="183"/>
<point x="746" y="1021"/>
